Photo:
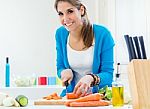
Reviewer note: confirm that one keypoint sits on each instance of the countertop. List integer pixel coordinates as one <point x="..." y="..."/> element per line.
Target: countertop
<point x="32" y="106"/>
<point x="34" y="93"/>
<point x="64" y="107"/>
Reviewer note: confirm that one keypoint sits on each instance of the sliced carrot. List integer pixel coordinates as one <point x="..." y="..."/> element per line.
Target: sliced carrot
<point x="52" y="96"/>
<point x="71" y="96"/>
<point x="48" y="97"/>
<point x="89" y="104"/>
<point x="56" y="98"/>
<point x="91" y="97"/>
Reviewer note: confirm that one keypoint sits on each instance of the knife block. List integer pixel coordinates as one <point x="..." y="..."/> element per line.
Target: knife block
<point x="139" y="82"/>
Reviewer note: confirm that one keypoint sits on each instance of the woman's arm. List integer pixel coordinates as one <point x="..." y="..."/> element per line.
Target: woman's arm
<point x="59" y="50"/>
<point x="106" y="67"/>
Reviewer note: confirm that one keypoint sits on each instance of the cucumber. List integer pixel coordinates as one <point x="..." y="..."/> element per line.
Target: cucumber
<point x="22" y="100"/>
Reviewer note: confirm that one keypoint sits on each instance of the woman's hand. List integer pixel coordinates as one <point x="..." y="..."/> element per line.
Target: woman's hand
<point x="66" y="75"/>
<point x="83" y="85"/>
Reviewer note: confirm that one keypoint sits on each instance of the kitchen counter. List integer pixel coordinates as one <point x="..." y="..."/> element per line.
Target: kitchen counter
<point x="34" y="93"/>
<point x="64" y="107"/>
<point x="32" y="106"/>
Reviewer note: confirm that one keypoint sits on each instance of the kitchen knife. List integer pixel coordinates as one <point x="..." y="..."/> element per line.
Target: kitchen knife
<point x="128" y="46"/>
<point x="132" y="48"/>
<point x="137" y="47"/>
<point x="66" y="84"/>
<point x="142" y="47"/>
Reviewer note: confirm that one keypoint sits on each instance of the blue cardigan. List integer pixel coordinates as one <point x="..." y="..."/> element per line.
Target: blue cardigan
<point x="103" y="56"/>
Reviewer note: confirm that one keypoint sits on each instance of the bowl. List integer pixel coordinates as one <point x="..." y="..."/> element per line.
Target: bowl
<point x="20" y="81"/>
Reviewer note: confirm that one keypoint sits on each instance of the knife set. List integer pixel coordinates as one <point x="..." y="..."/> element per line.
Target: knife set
<point x="139" y="82"/>
<point x="136" y="47"/>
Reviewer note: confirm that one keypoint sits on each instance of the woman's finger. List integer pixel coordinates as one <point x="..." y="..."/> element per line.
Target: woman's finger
<point x="84" y="92"/>
<point x="69" y="80"/>
<point x="76" y="87"/>
<point x="81" y="89"/>
<point x="63" y="81"/>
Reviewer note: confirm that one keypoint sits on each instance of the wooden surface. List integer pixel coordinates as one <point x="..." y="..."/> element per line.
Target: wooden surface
<point x="139" y="82"/>
<point x="50" y="102"/>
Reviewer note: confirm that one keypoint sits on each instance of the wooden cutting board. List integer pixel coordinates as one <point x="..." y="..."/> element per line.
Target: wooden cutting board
<point x="50" y="102"/>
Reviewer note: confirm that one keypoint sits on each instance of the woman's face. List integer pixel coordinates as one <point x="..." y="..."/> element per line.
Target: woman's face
<point x="69" y="15"/>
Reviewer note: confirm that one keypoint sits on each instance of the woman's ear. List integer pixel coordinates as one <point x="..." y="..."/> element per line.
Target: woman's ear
<point x="82" y="10"/>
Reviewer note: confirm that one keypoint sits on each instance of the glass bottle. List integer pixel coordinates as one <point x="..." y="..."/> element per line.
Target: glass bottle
<point x="117" y="90"/>
<point x="7" y="73"/>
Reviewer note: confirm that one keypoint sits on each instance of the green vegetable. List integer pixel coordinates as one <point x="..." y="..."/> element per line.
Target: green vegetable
<point x="22" y="100"/>
<point x="107" y="92"/>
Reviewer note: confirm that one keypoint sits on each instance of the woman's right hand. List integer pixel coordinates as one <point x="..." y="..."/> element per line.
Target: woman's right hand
<point x="66" y="75"/>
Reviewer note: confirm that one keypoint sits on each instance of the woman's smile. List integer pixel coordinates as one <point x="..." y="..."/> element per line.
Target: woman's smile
<point x="68" y="24"/>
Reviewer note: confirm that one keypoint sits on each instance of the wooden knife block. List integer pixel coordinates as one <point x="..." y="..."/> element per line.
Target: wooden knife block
<point x="139" y="82"/>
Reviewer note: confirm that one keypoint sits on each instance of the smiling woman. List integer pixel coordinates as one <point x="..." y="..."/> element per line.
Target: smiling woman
<point x="77" y="39"/>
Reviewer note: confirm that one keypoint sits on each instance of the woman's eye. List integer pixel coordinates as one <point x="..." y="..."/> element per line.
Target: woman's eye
<point x="60" y="14"/>
<point x="70" y="11"/>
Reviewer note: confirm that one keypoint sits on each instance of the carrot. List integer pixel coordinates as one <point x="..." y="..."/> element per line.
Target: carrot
<point x="91" y="97"/>
<point x="67" y="103"/>
<point x="89" y="104"/>
<point x="52" y="96"/>
<point x="56" y="98"/>
<point x="71" y="96"/>
<point x="48" y="97"/>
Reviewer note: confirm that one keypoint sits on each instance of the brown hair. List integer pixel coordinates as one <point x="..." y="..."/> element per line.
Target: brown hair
<point x="86" y="31"/>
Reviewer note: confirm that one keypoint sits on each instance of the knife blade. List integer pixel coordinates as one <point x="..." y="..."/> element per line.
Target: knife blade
<point x="66" y="84"/>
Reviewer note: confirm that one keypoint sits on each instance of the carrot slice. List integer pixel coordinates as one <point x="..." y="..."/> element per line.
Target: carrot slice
<point x="71" y="96"/>
<point x="89" y="104"/>
<point x="48" y="97"/>
<point x="52" y="96"/>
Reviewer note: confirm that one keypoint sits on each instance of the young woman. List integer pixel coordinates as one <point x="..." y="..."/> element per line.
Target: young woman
<point x="84" y="50"/>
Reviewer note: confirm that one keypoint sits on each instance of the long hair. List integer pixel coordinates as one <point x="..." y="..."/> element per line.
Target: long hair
<point x="86" y="31"/>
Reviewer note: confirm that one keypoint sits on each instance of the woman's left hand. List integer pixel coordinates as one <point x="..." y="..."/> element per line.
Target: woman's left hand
<point x="83" y="85"/>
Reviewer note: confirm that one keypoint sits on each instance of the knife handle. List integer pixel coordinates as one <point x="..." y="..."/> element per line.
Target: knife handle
<point x="128" y="46"/>
<point x="137" y="46"/>
<point x="66" y="83"/>
<point x="142" y="47"/>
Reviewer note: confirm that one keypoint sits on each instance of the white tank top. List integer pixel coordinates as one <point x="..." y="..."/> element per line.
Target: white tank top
<point x="80" y="61"/>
